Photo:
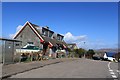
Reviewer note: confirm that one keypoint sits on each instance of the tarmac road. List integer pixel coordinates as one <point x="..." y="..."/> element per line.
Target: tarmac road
<point x="80" y="68"/>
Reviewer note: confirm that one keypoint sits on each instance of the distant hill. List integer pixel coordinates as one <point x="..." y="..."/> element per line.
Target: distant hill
<point x="107" y="50"/>
<point x="100" y="52"/>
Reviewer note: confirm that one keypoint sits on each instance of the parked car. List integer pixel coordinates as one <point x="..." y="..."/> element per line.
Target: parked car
<point x="103" y="59"/>
<point x="95" y="58"/>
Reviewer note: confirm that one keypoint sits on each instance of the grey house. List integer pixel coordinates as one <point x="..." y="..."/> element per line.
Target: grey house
<point x="72" y="46"/>
<point x="41" y="37"/>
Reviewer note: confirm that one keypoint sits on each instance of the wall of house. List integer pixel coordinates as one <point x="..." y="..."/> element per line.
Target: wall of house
<point x="75" y="47"/>
<point x="55" y="35"/>
<point x="27" y="35"/>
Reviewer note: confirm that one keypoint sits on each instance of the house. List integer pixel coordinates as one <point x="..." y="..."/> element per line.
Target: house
<point x="72" y="46"/>
<point x="109" y="56"/>
<point x="42" y="37"/>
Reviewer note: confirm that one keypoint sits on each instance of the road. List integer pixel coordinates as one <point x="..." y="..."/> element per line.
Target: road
<point x="81" y="68"/>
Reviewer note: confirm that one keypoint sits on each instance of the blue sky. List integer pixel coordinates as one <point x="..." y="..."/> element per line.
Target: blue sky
<point x="95" y="23"/>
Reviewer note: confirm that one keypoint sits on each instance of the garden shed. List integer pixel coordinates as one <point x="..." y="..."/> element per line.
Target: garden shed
<point x="8" y="50"/>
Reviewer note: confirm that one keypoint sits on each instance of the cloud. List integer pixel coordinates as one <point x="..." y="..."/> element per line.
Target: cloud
<point x="83" y="41"/>
<point x="11" y="36"/>
<point x="95" y="44"/>
<point x="79" y="40"/>
<point x="68" y="37"/>
<point x="17" y="29"/>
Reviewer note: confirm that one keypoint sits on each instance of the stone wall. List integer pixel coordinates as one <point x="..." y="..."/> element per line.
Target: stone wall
<point x="27" y="35"/>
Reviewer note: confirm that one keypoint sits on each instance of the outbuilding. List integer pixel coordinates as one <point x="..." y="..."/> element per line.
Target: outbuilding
<point x="8" y="50"/>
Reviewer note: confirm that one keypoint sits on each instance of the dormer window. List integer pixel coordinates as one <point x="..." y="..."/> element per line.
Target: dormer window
<point x="59" y="37"/>
<point x="45" y="33"/>
<point x="51" y="34"/>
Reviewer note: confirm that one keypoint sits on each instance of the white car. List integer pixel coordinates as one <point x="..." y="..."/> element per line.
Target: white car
<point x="110" y="57"/>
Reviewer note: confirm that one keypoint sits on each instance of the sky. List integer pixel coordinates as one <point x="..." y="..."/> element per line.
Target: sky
<point x="92" y="25"/>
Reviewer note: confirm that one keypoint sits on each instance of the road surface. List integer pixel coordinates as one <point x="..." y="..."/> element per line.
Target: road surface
<point x="81" y="68"/>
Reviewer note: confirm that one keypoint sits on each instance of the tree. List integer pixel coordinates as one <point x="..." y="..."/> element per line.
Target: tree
<point x="69" y="49"/>
<point x="80" y="52"/>
<point x="90" y="53"/>
<point x="70" y="54"/>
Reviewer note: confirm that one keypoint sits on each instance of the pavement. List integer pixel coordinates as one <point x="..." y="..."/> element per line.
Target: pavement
<point x="13" y="69"/>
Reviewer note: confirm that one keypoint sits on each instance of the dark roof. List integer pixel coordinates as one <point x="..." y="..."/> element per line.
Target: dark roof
<point x="61" y="42"/>
<point x="48" y="39"/>
<point x="48" y="29"/>
<point x="71" y="44"/>
<point x="65" y="43"/>
<point x="60" y="35"/>
<point x="34" y="25"/>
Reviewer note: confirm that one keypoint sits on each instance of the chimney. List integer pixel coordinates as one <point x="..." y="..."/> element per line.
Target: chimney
<point x="47" y="27"/>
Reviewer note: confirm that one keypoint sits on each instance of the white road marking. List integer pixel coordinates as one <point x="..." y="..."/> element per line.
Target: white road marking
<point x="111" y="71"/>
<point x="114" y="76"/>
<point x="118" y="71"/>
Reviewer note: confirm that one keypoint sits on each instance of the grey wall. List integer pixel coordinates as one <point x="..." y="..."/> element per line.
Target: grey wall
<point x="27" y="35"/>
<point x="8" y="52"/>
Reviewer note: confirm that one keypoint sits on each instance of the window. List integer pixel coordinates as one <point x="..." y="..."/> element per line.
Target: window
<point x="45" y="33"/>
<point x="58" y="37"/>
<point x="50" y="34"/>
<point x="17" y="45"/>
